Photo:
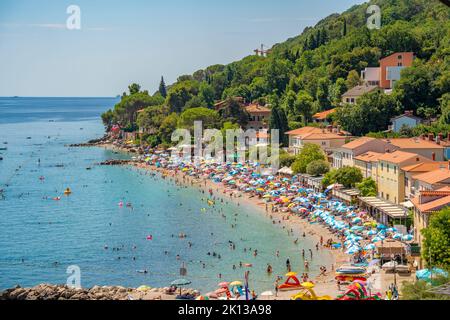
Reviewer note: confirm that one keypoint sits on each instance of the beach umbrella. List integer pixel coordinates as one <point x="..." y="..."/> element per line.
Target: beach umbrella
<point x="370" y="246"/>
<point x="374" y="262"/>
<point x="143" y="288"/>
<point x="398" y="236"/>
<point x="407" y="237"/>
<point x="180" y="283"/>
<point x="235" y="284"/>
<point x="356" y="220"/>
<point x="426" y="274"/>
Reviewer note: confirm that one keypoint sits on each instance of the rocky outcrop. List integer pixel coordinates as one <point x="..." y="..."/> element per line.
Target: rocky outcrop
<point x="63" y="292"/>
<point x="116" y="162"/>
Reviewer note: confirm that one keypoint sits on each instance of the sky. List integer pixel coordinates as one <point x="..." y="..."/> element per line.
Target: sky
<point x="121" y="42"/>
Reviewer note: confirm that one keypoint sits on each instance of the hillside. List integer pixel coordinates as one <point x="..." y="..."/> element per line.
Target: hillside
<point x="309" y="73"/>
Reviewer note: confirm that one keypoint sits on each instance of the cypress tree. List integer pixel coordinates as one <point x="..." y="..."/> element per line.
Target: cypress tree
<point x="162" y="88"/>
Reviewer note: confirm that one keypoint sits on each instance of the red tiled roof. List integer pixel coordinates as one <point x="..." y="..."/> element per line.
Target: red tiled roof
<point x="324" y="114"/>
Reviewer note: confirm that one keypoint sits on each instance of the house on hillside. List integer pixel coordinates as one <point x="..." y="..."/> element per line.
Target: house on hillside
<point x="412" y="184"/>
<point x="389" y="70"/>
<point x="352" y="95"/>
<point x="405" y="120"/>
<point x="259" y="117"/>
<point x="322" y="117"/>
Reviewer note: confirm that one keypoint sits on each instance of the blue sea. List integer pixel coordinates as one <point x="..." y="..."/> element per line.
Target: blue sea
<point x="40" y="237"/>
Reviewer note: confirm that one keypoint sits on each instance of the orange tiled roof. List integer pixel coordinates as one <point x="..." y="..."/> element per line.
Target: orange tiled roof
<point x="399" y="157"/>
<point x="305" y="130"/>
<point x="425" y="166"/>
<point x="357" y="143"/>
<point x="369" y="156"/>
<point x="435" y="176"/>
<point x="255" y="108"/>
<point x="414" y="143"/>
<point x="431" y="206"/>
<point x="323" y="136"/>
<point x="324" y="114"/>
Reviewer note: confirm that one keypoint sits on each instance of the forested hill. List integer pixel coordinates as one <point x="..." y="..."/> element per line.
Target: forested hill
<point x="310" y="72"/>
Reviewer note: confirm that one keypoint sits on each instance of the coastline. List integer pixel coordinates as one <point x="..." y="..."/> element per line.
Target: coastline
<point x="325" y="285"/>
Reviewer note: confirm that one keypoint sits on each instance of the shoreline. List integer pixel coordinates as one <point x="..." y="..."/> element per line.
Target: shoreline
<point x="325" y="285"/>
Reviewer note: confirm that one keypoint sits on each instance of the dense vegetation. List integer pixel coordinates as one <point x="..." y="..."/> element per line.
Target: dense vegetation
<point x="310" y="72"/>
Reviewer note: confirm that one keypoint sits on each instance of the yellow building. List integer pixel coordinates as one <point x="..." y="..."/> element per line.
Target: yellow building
<point x="425" y="204"/>
<point x="391" y="179"/>
<point x="412" y="184"/>
<point x="425" y="147"/>
<point x="367" y="163"/>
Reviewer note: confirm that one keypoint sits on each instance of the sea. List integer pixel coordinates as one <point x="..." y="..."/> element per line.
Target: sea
<point x="43" y="240"/>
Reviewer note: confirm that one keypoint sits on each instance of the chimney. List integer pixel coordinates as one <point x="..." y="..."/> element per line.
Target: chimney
<point x="430" y="137"/>
<point x="433" y="156"/>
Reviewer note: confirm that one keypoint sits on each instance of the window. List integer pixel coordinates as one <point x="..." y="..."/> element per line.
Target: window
<point x="399" y="57"/>
<point x="387" y="167"/>
<point x="395" y="169"/>
<point x="400" y="64"/>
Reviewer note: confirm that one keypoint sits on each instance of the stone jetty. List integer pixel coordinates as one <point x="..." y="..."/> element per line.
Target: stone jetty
<point x="63" y="292"/>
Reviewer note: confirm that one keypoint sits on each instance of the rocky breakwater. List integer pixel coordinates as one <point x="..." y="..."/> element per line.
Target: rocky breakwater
<point x="117" y="162"/>
<point x="63" y="292"/>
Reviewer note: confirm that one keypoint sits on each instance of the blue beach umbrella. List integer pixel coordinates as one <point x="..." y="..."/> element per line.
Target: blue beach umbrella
<point x="426" y="274"/>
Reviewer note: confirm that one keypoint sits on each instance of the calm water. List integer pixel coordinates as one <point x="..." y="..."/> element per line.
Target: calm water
<point x="75" y="230"/>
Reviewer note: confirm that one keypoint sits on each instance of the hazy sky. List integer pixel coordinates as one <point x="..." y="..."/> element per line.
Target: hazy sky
<point x="137" y="41"/>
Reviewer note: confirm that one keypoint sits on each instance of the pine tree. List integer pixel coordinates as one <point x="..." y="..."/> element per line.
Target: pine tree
<point x="344" y="30"/>
<point x="162" y="88"/>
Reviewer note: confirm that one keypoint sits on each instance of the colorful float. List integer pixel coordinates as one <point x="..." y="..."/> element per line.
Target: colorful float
<point x="291" y="283"/>
<point x="357" y="291"/>
<point x="308" y="293"/>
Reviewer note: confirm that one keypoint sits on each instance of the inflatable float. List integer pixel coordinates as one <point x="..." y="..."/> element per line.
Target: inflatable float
<point x="291" y="283"/>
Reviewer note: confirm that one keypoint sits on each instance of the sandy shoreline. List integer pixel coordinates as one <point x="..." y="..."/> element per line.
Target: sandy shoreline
<point x="325" y="285"/>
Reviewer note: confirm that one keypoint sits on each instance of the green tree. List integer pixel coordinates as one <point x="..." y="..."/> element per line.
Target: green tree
<point x="304" y="105"/>
<point x="167" y="127"/>
<point x="206" y="93"/>
<point x="368" y="187"/>
<point x="329" y="178"/>
<point x="317" y="168"/>
<point x="436" y="243"/>
<point x="134" y="88"/>
<point x="353" y="79"/>
<point x="162" y="88"/>
<point x="420" y="290"/>
<point x="349" y="176"/>
<point x="210" y="118"/>
<point x="309" y="153"/>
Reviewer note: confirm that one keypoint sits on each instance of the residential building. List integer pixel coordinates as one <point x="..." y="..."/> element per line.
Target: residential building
<point x="425" y="147"/>
<point x="352" y="95"/>
<point x="407" y="120"/>
<point x="425" y="204"/>
<point x="322" y="117"/>
<point x="367" y="163"/>
<point x="259" y="117"/>
<point x="391" y="179"/>
<point x="433" y="180"/>
<point x="326" y="138"/>
<point x="392" y="65"/>
<point x="411" y="172"/>
<point x="344" y="156"/>
<point x="371" y="76"/>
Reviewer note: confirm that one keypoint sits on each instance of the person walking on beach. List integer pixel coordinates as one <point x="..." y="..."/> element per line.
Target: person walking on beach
<point x="277" y="283"/>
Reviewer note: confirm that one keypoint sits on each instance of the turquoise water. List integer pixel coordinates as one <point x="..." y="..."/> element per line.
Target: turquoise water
<point x="51" y="235"/>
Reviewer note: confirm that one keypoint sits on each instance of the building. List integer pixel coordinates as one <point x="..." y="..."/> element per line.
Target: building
<point x="391" y="179"/>
<point x="425" y="204"/>
<point x="259" y="117"/>
<point x="367" y="163"/>
<point x="405" y="120"/>
<point x="261" y="139"/>
<point x="371" y="76"/>
<point x="326" y="138"/>
<point x="425" y="147"/>
<point x="389" y="70"/>
<point x="322" y="117"/>
<point x="433" y="180"/>
<point x="391" y="66"/>
<point x="352" y="95"/>
<point x="345" y="155"/>
<point x="412" y="171"/>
